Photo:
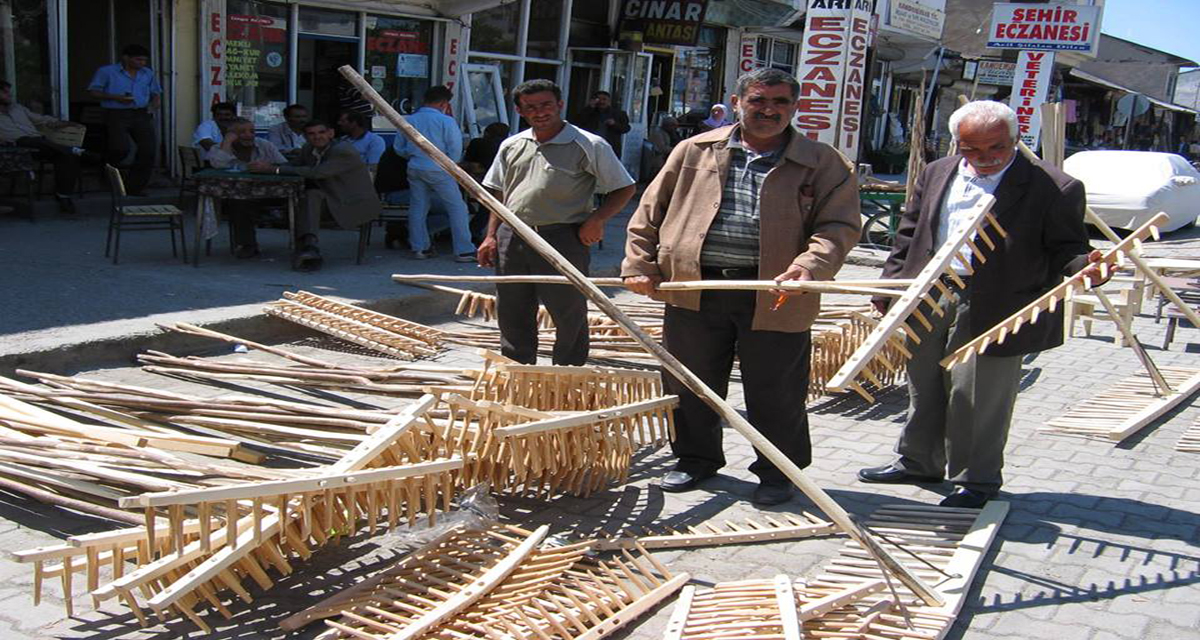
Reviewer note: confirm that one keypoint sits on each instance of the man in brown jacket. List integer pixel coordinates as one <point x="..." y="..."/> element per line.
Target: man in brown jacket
<point x="756" y="201"/>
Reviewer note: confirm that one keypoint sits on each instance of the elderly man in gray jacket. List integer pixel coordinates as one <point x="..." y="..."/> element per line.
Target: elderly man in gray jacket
<point x="338" y="182"/>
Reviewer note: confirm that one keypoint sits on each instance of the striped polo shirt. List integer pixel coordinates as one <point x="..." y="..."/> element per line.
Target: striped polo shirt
<point x="732" y="239"/>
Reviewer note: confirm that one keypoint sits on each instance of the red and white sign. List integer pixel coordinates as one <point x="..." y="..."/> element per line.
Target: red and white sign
<point x="747" y="60"/>
<point x="452" y="57"/>
<point x="833" y="62"/>
<point x="212" y="54"/>
<point x="1045" y="27"/>
<point x="1030" y="86"/>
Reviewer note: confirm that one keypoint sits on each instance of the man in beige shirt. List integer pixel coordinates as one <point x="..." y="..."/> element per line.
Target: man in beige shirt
<point x="549" y="175"/>
<point x="18" y="126"/>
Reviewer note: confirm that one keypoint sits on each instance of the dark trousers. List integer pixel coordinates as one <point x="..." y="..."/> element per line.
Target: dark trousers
<point x="517" y="304"/>
<point x="957" y="420"/>
<point x="774" y="366"/>
<point x="136" y="125"/>
<point x="242" y="223"/>
<point x="66" y="163"/>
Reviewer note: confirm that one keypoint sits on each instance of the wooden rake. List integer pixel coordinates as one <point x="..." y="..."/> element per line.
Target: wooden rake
<point x="1190" y="440"/>
<point x="892" y="330"/>
<point x="669" y="362"/>
<point x="375" y="331"/>
<point x="708" y="534"/>
<point x="1049" y="302"/>
<point x="1128" y="406"/>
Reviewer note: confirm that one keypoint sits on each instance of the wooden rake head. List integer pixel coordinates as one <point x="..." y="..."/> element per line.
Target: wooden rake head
<point x="959" y="251"/>
<point x="1048" y="302"/>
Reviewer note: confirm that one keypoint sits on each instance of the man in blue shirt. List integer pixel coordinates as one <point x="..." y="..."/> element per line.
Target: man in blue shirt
<point x="129" y="91"/>
<point x="211" y="133"/>
<point x="353" y="125"/>
<point x="426" y="178"/>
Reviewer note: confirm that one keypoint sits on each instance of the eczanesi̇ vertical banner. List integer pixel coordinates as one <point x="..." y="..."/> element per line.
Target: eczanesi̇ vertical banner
<point x="212" y="53"/>
<point x="822" y="69"/>
<point x="850" y="116"/>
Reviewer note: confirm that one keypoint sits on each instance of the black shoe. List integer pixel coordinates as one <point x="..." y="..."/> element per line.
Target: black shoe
<point x="887" y="474"/>
<point x="306" y="259"/>
<point x="964" y="498"/>
<point x="677" y="481"/>
<point x="423" y="254"/>
<point x="245" y="251"/>
<point x="769" y="494"/>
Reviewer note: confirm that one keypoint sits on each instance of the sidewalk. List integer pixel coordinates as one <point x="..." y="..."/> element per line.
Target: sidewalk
<point x="70" y="308"/>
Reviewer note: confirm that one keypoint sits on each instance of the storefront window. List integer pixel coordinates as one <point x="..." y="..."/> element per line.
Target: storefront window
<point x="328" y="22"/>
<point x="545" y="23"/>
<point x="537" y="71"/>
<point x="24" y="54"/>
<point x="398" y="61"/>
<point x="495" y="30"/>
<point x="697" y="79"/>
<point x="256" y="59"/>
<point x="777" y="54"/>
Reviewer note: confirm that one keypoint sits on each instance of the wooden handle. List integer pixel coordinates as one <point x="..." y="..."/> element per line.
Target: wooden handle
<point x="823" y="501"/>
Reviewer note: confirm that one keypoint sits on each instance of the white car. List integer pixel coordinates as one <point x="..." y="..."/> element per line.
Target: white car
<point x="1127" y="188"/>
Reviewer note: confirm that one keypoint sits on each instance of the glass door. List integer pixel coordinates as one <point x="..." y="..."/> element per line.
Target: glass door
<point x="327" y="40"/>
<point x="483" y="98"/>
<point x="637" y="108"/>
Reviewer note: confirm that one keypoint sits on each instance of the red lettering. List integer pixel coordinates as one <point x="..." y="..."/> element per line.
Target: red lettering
<point x="215" y="22"/>
<point x="826" y="40"/>
<point x="826" y="23"/>
<point x="215" y="49"/>
<point x="1069" y="15"/>
<point x="807" y="121"/>
<point x="454" y="46"/>
<point x="216" y="77"/>
<point x="809" y="105"/>
<point x="858" y="25"/>
<point x="452" y="68"/>
<point x="823" y="57"/>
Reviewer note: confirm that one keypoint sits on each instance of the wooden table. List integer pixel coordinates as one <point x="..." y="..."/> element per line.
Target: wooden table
<point x="241" y="185"/>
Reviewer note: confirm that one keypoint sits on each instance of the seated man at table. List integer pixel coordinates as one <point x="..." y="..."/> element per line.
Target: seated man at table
<point x="288" y="136"/>
<point x="337" y="182"/>
<point x="238" y="150"/>
<point x="353" y="125"/>
<point x="210" y="133"/>
<point x="18" y="126"/>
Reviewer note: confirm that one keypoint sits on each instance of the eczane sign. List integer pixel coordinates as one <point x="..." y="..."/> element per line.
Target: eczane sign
<point x="1045" y="27"/>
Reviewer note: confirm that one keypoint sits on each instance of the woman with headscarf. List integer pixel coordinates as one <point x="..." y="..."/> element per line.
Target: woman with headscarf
<point x="718" y="116"/>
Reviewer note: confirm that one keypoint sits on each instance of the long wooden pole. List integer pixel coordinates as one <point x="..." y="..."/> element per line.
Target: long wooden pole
<point x="823" y="500"/>
<point x="864" y="287"/>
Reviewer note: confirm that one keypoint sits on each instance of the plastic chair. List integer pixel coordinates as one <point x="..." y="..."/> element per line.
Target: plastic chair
<point x="142" y="217"/>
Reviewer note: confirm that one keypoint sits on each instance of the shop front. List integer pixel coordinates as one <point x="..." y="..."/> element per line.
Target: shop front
<point x="266" y="55"/>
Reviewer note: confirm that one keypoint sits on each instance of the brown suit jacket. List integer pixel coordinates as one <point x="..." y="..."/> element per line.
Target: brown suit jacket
<point x="1041" y="208"/>
<point x="343" y="179"/>
<point x="808" y="209"/>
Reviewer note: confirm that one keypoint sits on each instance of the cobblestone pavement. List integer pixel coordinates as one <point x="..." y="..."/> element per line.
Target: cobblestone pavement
<point x="1100" y="541"/>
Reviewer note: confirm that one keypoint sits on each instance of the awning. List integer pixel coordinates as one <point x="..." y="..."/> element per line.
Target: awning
<point x="752" y="13"/>
<point x="1087" y="77"/>
<point x="443" y="8"/>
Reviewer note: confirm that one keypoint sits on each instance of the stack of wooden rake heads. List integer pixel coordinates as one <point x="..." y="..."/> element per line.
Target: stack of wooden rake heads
<point x="223" y="494"/>
<point x="226" y="492"/>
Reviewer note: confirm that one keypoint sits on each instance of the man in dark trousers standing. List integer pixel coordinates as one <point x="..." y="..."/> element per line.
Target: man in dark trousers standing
<point x="129" y="93"/>
<point x="755" y="201"/>
<point x="549" y="175"/>
<point x="603" y="119"/>
<point x="958" y="420"/>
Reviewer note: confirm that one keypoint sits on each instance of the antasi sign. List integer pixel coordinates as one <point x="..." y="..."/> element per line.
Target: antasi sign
<point x="833" y="62"/>
<point x="664" y="21"/>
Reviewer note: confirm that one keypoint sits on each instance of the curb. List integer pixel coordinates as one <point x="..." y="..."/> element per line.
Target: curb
<point x="244" y="321"/>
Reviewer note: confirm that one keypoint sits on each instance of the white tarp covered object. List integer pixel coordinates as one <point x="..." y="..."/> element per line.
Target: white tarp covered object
<point x="1127" y="188"/>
